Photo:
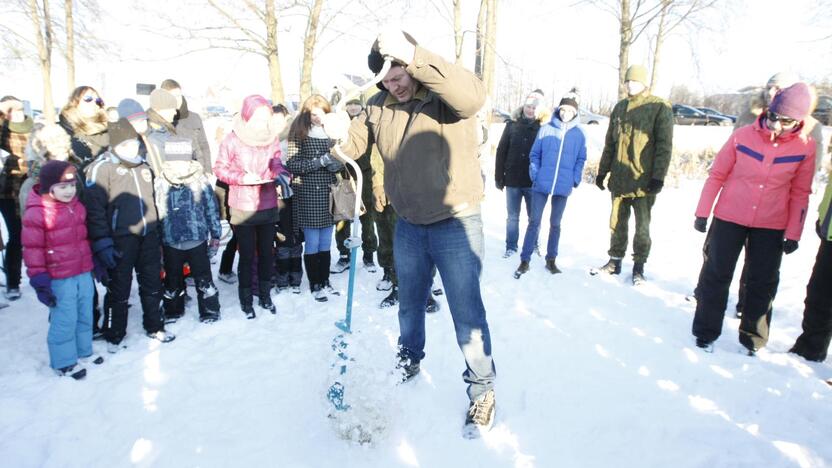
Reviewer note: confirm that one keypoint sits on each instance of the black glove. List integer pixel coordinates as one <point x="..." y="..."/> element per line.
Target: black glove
<point x="701" y="224"/>
<point x="499" y="185"/>
<point x="599" y="180"/>
<point x="655" y="186"/>
<point x="789" y="246"/>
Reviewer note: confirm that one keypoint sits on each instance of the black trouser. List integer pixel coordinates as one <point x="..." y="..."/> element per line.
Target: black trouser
<point x="764" y="250"/>
<point x="144" y="255"/>
<point x="227" y="259"/>
<point x="207" y="295"/>
<point x="386" y="227"/>
<point x="288" y="263"/>
<point x="251" y="238"/>
<point x="14" y="250"/>
<point x="813" y="343"/>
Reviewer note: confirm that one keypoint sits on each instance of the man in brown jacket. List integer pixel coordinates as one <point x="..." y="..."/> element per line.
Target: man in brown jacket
<point x="424" y="126"/>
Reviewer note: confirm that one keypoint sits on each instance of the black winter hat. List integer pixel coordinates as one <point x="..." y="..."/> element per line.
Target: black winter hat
<point x="56" y="172"/>
<point x="120" y="132"/>
<point x="375" y="61"/>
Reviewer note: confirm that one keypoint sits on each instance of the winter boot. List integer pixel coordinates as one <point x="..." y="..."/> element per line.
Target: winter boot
<point x="509" y="252"/>
<point x="229" y="277"/>
<point x="208" y="301"/>
<point x="325" y="259"/>
<point x="246" y="302"/>
<point x="369" y="264"/>
<point x="523" y="268"/>
<point x="386" y="282"/>
<point x="391" y="300"/>
<point x="295" y="273"/>
<point x="407" y="366"/>
<point x="311" y="262"/>
<point x="265" y="298"/>
<point x="480" y="416"/>
<point x="173" y="303"/>
<point x="282" y="276"/>
<point x="550" y="265"/>
<point x="161" y="335"/>
<point x="342" y="265"/>
<point x="75" y="371"/>
<point x="638" y="274"/>
<point x="612" y="267"/>
<point x="707" y="346"/>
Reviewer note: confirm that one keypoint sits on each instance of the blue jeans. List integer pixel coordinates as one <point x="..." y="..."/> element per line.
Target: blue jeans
<point x="539" y="200"/>
<point x="455" y="247"/>
<point x="317" y="240"/>
<point x="70" y="321"/>
<point x="514" y="196"/>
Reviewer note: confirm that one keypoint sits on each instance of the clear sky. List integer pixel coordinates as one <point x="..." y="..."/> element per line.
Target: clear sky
<point x="551" y="44"/>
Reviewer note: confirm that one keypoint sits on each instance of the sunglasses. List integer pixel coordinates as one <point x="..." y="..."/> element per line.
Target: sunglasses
<point x="97" y="100"/>
<point x="784" y="121"/>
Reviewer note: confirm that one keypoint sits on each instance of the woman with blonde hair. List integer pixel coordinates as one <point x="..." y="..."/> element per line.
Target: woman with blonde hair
<point x="84" y="118"/>
<point x="314" y="168"/>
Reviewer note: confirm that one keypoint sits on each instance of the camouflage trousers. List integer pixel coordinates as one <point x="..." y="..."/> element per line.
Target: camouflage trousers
<point x="619" y="224"/>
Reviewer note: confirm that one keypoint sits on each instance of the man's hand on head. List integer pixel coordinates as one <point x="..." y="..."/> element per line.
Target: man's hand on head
<point x="394" y="45"/>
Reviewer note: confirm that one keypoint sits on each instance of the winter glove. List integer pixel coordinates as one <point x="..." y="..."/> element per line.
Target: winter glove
<point x="655" y="186"/>
<point x="334" y="165"/>
<point x="380" y="199"/>
<point x="575" y="185"/>
<point x="789" y="246"/>
<point x="105" y="252"/>
<point x="599" y="180"/>
<point x="325" y="160"/>
<point x="284" y="183"/>
<point x="499" y="185"/>
<point x="701" y="224"/>
<point x="337" y="125"/>
<point x="213" y="247"/>
<point x="394" y="45"/>
<point x="42" y="284"/>
<point x="99" y="272"/>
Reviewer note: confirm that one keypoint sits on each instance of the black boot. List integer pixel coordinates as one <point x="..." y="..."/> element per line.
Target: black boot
<point x="173" y="303"/>
<point x="392" y="299"/>
<point x="638" y="273"/>
<point x="432" y="306"/>
<point x="265" y="298"/>
<point x="325" y="258"/>
<point x="295" y="273"/>
<point x="551" y="266"/>
<point x="246" y="302"/>
<point x="208" y="301"/>
<point x="522" y="269"/>
<point x="612" y="267"/>
<point x="282" y="276"/>
<point x="311" y="262"/>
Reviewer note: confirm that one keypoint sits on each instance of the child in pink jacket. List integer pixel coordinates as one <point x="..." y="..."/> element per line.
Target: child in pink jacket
<point x="763" y="176"/>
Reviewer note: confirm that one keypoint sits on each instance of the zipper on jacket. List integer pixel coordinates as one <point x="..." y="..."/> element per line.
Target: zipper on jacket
<point x="557" y="161"/>
<point x="141" y="201"/>
<point x="114" y="221"/>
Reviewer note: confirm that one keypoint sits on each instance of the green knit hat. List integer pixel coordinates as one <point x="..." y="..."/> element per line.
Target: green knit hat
<point x="636" y="73"/>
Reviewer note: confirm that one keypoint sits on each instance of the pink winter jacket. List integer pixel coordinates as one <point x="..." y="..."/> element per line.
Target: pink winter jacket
<point x="55" y="237"/>
<point x="761" y="183"/>
<point x="235" y="159"/>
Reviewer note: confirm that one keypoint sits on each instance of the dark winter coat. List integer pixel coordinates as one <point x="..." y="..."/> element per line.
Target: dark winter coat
<point x="428" y="144"/>
<point x="638" y="144"/>
<point x="189" y="212"/>
<point x="311" y="182"/>
<point x="558" y="151"/>
<point x="188" y="124"/>
<point x="85" y="147"/>
<point x="13" y="140"/>
<point x="512" y="160"/>
<point x="54" y="237"/>
<point x="119" y="198"/>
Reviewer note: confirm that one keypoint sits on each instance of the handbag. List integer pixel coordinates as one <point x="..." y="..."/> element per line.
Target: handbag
<point x="342" y="200"/>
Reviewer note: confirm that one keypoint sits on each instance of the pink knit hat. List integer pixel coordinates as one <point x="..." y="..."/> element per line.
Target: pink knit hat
<point x="251" y="104"/>
<point x="793" y="102"/>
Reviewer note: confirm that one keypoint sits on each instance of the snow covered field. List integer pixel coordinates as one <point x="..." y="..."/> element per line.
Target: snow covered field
<point x="592" y="372"/>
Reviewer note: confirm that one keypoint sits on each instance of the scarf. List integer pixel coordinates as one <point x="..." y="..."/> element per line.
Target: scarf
<point x="264" y="137"/>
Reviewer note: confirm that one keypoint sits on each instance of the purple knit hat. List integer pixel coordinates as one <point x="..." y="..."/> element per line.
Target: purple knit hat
<point x="793" y="102"/>
<point x="56" y="172"/>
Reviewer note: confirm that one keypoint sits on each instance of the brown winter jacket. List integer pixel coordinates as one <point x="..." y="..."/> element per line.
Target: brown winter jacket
<point x="429" y="144"/>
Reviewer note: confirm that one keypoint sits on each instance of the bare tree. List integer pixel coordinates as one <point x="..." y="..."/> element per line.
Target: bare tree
<point x="490" y="55"/>
<point x="43" y="38"/>
<point x="70" y="44"/>
<point x="458" y="35"/>
<point x="481" y="29"/>
<point x="309" y="40"/>
<point x="673" y="13"/>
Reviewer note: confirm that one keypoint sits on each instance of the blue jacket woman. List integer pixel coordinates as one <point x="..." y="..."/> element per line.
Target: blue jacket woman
<point x="556" y="163"/>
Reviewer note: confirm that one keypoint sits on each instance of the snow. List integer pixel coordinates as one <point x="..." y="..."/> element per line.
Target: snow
<point x="592" y="372"/>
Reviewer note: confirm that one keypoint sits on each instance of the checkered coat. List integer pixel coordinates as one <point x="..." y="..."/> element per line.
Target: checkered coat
<point x="311" y="182"/>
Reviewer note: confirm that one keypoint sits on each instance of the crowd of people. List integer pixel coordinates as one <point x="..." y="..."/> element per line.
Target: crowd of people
<point x="105" y="192"/>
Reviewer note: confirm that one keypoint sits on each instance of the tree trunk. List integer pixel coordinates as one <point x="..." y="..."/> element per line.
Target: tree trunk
<point x="458" y="31"/>
<point x="654" y="73"/>
<point x="44" y="43"/>
<point x="271" y="54"/>
<point x="309" y="50"/>
<point x="70" y="45"/>
<point x="625" y="40"/>
<point x="489" y="57"/>
<point x="481" y="25"/>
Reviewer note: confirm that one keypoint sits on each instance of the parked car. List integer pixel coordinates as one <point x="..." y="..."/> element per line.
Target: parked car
<point x="687" y="115"/>
<point x="216" y="111"/>
<point x="591" y="118"/>
<point x="709" y="111"/>
<point x="823" y="112"/>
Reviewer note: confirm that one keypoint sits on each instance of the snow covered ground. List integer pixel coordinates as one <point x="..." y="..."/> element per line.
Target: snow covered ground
<point x="592" y="372"/>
